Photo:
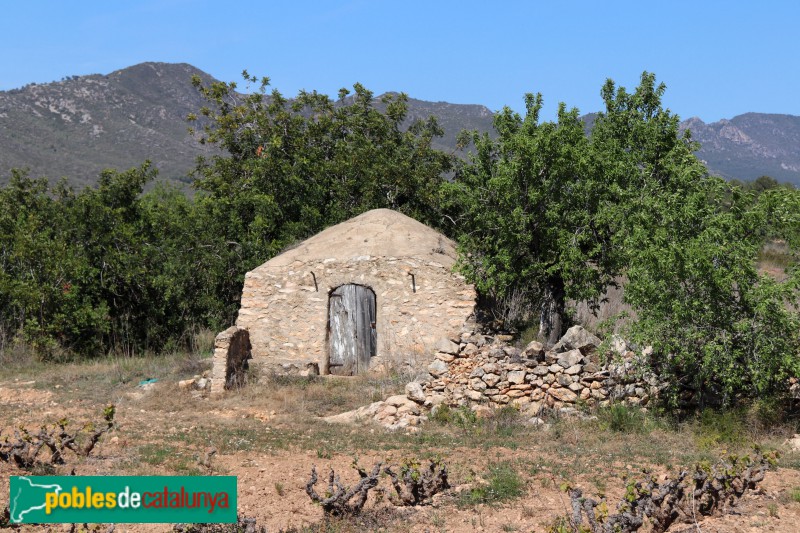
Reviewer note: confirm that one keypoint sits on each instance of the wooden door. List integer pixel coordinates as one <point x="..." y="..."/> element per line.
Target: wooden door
<point x="352" y="338"/>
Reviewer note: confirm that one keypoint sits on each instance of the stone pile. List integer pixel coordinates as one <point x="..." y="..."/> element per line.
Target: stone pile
<point x="480" y="369"/>
<point x="199" y="385"/>
<point x="395" y="412"/>
<point x="481" y="372"/>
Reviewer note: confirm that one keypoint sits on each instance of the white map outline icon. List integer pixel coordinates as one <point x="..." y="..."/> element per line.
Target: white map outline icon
<point x="16" y="517"/>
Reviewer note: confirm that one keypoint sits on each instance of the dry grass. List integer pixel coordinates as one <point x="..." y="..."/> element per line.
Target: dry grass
<point x="269" y="434"/>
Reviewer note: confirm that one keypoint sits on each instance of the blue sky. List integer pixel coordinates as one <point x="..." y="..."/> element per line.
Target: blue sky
<point x="718" y="59"/>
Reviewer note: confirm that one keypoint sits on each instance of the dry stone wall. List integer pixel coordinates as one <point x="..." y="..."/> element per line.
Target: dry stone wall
<point x="482" y="372"/>
<point x="232" y="352"/>
<point x="286" y="309"/>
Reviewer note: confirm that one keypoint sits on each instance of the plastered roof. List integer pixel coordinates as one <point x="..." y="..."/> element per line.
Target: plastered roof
<point x="376" y="233"/>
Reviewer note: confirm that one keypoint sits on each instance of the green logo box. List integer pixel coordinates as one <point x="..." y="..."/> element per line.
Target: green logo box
<point x="122" y="499"/>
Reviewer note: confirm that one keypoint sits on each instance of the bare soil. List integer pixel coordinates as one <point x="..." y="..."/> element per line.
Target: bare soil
<point x="269" y="435"/>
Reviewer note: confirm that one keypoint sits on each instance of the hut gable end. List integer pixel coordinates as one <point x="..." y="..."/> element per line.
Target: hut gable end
<point x="405" y="266"/>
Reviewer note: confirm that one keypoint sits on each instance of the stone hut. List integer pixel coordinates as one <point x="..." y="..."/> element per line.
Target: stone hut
<point x="374" y="291"/>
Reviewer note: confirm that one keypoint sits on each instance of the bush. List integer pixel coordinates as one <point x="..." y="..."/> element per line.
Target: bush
<point x="503" y="483"/>
<point x="716" y="428"/>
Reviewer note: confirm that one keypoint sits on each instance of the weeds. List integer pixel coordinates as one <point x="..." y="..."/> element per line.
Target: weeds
<point x="721" y="428"/>
<point x="503" y="484"/>
<point x="772" y="510"/>
<point x="624" y="419"/>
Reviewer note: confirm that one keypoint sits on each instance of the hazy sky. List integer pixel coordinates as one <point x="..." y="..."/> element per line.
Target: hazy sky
<point x="718" y="59"/>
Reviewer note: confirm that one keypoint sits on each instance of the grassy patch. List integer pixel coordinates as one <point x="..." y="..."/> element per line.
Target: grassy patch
<point x="175" y="459"/>
<point x="624" y="419"/>
<point x="503" y="483"/>
<point x="721" y="428"/>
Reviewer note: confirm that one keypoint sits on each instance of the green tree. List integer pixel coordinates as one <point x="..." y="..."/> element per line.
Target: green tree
<point x="719" y="328"/>
<point x="536" y="215"/>
<point x="42" y="300"/>
<point x="288" y="169"/>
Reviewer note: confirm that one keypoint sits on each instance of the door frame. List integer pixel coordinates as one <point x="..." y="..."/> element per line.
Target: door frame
<point x="374" y="324"/>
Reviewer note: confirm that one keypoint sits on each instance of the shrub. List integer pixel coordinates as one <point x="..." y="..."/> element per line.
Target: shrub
<point x="503" y="483"/>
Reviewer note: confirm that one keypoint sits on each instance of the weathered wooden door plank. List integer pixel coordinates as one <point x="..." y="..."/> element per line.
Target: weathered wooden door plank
<point x="352" y="335"/>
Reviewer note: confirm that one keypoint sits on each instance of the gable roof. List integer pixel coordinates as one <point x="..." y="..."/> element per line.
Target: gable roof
<point x="376" y="233"/>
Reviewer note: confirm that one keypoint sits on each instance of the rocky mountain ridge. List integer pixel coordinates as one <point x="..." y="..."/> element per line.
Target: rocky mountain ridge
<point x="750" y="145"/>
<point x="81" y="125"/>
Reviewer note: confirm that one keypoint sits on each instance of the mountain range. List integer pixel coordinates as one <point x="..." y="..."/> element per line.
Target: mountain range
<point x="81" y="125"/>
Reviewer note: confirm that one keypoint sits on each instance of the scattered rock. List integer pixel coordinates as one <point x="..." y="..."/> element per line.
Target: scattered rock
<point x="570" y="358"/>
<point x="414" y="392"/>
<point x="534" y="350"/>
<point x="437" y="368"/>
<point x="577" y="338"/>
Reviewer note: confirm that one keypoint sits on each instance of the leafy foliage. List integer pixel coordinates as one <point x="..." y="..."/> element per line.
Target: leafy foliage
<point x="292" y="168"/>
<point x="116" y="268"/>
<point x="719" y="327"/>
<point x="526" y="213"/>
<point x="545" y="213"/>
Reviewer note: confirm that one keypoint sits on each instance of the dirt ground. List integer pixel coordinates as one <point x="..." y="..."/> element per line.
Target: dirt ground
<point x="269" y="435"/>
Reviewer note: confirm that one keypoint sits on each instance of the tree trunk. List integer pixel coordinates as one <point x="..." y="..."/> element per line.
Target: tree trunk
<point x="552" y="313"/>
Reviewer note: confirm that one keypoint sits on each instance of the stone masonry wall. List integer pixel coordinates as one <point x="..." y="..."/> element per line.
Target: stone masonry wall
<point x="232" y="351"/>
<point x="286" y="313"/>
<point x="483" y="372"/>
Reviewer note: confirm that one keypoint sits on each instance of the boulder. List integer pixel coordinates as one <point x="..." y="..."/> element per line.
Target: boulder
<point x="361" y="414"/>
<point x="533" y="350"/>
<point x="541" y="370"/>
<point x="435" y="399"/>
<point x="474" y="395"/>
<point x="516" y="377"/>
<point x="414" y="392"/>
<point x="570" y="358"/>
<point x="398" y="400"/>
<point x="491" y="368"/>
<point x="437" y="368"/>
<point x="510" y="351"/>
<point x="564" y="380"/>
<point x="469" y="349"/>
<point x="411" y="408"/>
<point x="477" y="384"/>
<point x="491" y="379"/>
<point x="447" y="346"/>
<point x="477" y="372"/>
<point x="577" y="338"/>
